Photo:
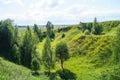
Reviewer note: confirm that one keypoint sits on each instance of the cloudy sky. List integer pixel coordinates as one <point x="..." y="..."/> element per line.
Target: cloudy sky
<point x="28" y="12"/>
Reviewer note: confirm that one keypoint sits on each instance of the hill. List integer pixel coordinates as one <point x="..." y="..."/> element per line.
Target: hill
<point x="11" y="71"/>
<point x="90" y="55"/>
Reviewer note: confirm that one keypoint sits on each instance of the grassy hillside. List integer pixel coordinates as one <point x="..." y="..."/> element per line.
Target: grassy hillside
<point x="90" y="56"/>
<point x="11" y="71"/>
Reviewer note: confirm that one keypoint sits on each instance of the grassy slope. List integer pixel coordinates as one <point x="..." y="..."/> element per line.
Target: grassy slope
<point x="90" y="56"/>
<point x="11" y="71"/>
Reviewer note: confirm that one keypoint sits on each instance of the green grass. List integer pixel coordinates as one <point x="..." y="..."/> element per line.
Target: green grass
<point x="11" y="71"/>
<point x="90" y="57"/>
<point x="90" y="54"/>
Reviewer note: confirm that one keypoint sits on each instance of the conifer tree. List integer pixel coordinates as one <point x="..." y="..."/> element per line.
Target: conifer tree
<point x="50" y="28"/>
<point x="27" y="50"/>
<point x="47" y="55"/>
<point x="97" y="28"/>
<point x="37" y="31"/>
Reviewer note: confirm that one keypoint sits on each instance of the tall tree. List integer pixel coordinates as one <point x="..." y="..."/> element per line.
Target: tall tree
<point x="47" y="55"/>
<point x="97" y="28"/>
<point x="37" y="31"/>
<point x="29" y="43"/>
<point x="89" y="26"/>
<point x="83" y="26"/>
<point x="6" y="35"/>
<point x="16" y="36"/>
<point x="50" y="27"/>
<point x="62" y="53"/>
<point x="9" y="41"/>
<point x="36" y="60"/>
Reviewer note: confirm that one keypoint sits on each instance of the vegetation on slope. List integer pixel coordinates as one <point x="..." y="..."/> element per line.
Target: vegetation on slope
<point x="91" y="54"/>
<point x="11" y="71"/>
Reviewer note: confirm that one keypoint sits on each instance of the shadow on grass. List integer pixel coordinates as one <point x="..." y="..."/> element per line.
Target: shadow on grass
<point x="66" y="75"/>
<point x="35" y="73"/>
<point x="58" y="75"/>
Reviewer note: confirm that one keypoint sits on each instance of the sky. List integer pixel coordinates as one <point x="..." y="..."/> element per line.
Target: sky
<point x="29" y="12"/>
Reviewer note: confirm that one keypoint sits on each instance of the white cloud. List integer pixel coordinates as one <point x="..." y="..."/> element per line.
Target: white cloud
<point x="57" y="11"/>
<point x="20" y="2"/>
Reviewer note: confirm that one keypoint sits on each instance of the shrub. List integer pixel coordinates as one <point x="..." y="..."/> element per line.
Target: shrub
<point x="63" y="35"/>
<point x="35" y="64"/>
<point x="86" y="32"/>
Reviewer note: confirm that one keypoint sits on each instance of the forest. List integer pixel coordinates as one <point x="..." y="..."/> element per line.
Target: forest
<point x="85" y="51"/>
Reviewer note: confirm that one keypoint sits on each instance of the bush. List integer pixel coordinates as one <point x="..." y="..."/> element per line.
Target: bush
<point x="15" y="54"/>
<point x="86" y="32"/>
<point x="63" y="35"/>
<point x="35" y="64"/>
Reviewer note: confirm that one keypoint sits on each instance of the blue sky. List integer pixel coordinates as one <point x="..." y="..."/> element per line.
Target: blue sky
<point x="28" y="12"/>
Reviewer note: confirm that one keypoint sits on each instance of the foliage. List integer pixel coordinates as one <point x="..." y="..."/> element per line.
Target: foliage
<point x="27" y="49"/>
<point x="50" y="28"/>
<point x="6" y="35"/>
<point x="85" y="26"/>
<point x="47" y="55"/>
<point x="97" y="28"/>
<point x="38" y="32"/>
<point x="35" y="64"/>
<point x="64" y="29"/>
<point x="63" y="35"/>
<point x="87" y="32"/>
<point x="9" y="41"/>
<point x="15" y="54"/>
<point x="91" y="60"/>
<point x="62" y="52"/>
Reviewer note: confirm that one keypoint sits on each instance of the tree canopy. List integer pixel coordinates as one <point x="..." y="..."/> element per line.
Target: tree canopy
<point x="62" y="52"/>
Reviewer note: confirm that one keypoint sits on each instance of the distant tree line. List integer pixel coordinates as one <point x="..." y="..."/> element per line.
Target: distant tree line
<point x="94" y="28"/>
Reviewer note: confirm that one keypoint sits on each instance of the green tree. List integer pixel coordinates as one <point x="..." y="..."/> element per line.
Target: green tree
<point x="50" y="28"/>
<point x="6" y="35"/>
<point x="37" y="31"/>
<point x="30" y="41"/>
<point x="47" y="55"/>
<point x="83" y="26"/>
<point x="62" y="53"/>
<point x="9" y="40"/>
<point x="16" y="36"/>
<point x="15" y="54"/>
<point x="35" y="64"/>
<point x="116" y="47"/>
<point x="97" y="28"/>
<point x="89" y="26"/>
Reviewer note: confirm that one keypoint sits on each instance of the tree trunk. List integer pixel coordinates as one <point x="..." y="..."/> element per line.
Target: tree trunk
<point x="62" y="66"/>
<point x="49" y="71"/>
